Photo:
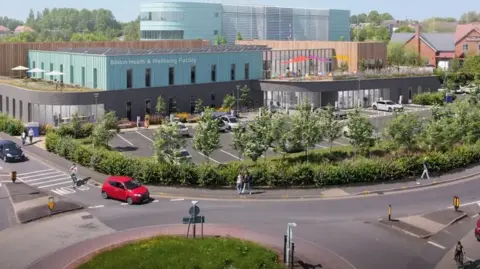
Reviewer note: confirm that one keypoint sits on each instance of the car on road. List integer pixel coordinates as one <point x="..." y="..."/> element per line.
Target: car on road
<point x="10" y="151"/>
<point x="337" y="113"/>
<point x="125" y="189"/>
<point x="387" y="105"/>
<point x="231" y="122"/>
<point x="477" y="230"/>
<point x="183" y="130"/>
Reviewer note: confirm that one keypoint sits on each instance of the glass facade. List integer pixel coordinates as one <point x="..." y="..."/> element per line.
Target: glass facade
<point x="44" y="114"/>
<point x="149" y="34"/>
<point x="162" y="16"/>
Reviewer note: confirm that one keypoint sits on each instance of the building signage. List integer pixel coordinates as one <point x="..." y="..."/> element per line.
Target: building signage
<point x="473" y="38"/>
<point x="180" y="60"/>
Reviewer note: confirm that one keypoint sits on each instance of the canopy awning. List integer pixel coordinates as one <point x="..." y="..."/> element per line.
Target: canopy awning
<point x="36" y="70"/>
<point x="54" y="73"/>
<point x="20" y="68"/>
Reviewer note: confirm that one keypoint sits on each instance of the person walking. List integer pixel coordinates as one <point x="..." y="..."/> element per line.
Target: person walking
<point x="73" y="174"/>
<point x="459" y="254"/>
<point x="239" y="183"/>
<point x="24" y="137"/>
<point x="425" y="169"/>
<point x="247" y="184"/>
<point x="30" y="135"/>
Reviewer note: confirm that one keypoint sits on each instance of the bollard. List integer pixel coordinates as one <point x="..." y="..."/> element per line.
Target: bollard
<point x="389" y="212"/>
<point x="284" y="248"/>
<point x="456" y="202"/>
<point x="13" y="176"/>
<point x="51" y="203"/>
<point x="293" y="255"/>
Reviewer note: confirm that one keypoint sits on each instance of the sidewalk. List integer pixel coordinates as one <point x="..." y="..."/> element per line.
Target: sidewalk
<point x="71" y="257"/>
<point x="260" y="193"/>
<point x="472" y="252"/>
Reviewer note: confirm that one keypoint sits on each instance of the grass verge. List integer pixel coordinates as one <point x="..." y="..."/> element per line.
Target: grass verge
<point x="184" y="253"/>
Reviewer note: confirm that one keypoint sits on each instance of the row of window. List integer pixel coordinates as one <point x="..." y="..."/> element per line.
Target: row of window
<point x="72" y="74"/>
<point x="151" y="34"/>
<point x="193" y="75"/>
<point x="14" y="108"/>
<point x="465" y="47"/>
<point x="162" y="16"/>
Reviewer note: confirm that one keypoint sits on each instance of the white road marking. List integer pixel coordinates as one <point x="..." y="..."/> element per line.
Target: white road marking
<point x="176" y="200"/>
<point x="42" y="178"/>
<point x="54" y="180"/>
<point x="435" y="244"/>
<point x="469" y="259"/>
<point x="97" y="206"/>
<point x="208" y="157"/>
<point x="155" y="201"/>
<point x="228" y="153"/>
<point x="338" y="143"/>
<point x="124" y="204"/>
<point x="50" y="185"/>
<point x="37" y="175"/>
<point x="470" y="203"/>
<point x="64" y="191"/>
<point x="23" y="174"/>
<point x="146" y="137"/>
<point x="123" y="138"/>
<point x="83" y="188"/>
<point x="474" y="216"/>
<point x="0" y="184"/>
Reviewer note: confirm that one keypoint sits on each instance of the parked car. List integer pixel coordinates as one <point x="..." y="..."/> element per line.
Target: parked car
<point x="182" y="156"/>
<point x="387" y="105"/>
<point x="339" y="114"/>
<point x="232" y="122"/>
<point x="125" y="189"/>
<point x="477" y="230"/>
<point x="183" y="130"/>
<point x="222" y="127"/>
<point x="9" y="151"/>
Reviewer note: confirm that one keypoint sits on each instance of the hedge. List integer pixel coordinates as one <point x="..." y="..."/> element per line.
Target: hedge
<point x="430" y="98"/>
<point x="11" y="126"/>
<point x="273" y="174"/>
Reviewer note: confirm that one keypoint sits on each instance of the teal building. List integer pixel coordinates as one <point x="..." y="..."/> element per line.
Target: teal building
<point x="120" y="69"/>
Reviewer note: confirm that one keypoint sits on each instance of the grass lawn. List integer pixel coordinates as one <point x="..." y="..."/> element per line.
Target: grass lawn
<point x="42" y="86"/>
<point x="168" y="252"/>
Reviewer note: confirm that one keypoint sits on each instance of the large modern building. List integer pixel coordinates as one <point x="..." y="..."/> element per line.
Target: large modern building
<point x="187" y="20"/>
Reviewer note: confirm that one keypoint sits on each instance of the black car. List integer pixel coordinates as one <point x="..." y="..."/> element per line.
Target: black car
<point x="9" y="151"/>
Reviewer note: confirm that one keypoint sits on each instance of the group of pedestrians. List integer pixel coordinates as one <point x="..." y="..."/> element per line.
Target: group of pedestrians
<point x="30" y="135"/>
<point x="244" y="183"/>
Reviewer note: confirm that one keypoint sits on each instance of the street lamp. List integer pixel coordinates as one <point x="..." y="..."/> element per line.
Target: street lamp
<point x="238" y="96"/>
<point x="96" y="105"/>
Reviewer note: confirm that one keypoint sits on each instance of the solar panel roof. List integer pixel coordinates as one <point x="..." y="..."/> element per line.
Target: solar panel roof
<point x="156" y="51"/>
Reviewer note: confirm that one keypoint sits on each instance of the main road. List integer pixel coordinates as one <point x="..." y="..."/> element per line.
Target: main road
<point x="347" y="227"/>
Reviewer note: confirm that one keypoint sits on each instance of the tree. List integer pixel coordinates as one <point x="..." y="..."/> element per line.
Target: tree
<point x="343" y="67"/>
<point x="31" y="18"/>
<point x="239" y="141"/>
<point x="360" y="132"/>
<point x="168" y="143"/>
<point x="307" y="126"/>
<point x="198" y="106"/>
<point x="403" y="130"/>
<point x="261" y="130"/>
<point x="281" y="132"/>
<point x="110" y="120"/>
<point x="342" y="38"/>
<point x="223" y="40"/>
<point x="160" y="106"/>
<point x="395" y="54"/>
<point x="386" y="17"/>
<point x="405" y="29"/>
<point x="207" y="137"/>
<point x="471" y="64"/>
<point x="244" y="96"/>
<point x="455" y="65"/>
<point x="131" y="30"/>
<point x="217" y="40"/>
<point x="439" y="134"/>
<point x="469" y="17"/>
<point x="104" y="130"/>
<point x="220" y="40"/>
<point x="228" y="102"/>
<point x="374" y="17"/>
<point x="76" y="126"/>
<point x="239" y="36"/>
<point x="331" y="126"/>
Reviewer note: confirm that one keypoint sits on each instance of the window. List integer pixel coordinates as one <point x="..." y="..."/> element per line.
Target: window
<point x="215" y="14"/>
<point x="129" y="78"/>
<point x="83" y="76"/>
<point x="150" y="34"/>
<point x="13" y="107"/>
<point x="232" y="72"/>
<point x="148" y="79"/>
<point x="247" y="71"/>
<point x="29" y="111"/>
<point x="51" y="69"/>
<point x="61" y="70"/>
<point x="148" y="107"/>
<point x="129" y="110"/>
<point x="162" y="16"/>
<point x="465" y="47"/>
<point x="171" y="76"/>
<point x="43" y="68"/>
<point x="95" y="78"/>
<point x="215" y="32"/>
<point x="193" y="74"/>
<point x="7" y="104"/>
<point x="33" y="64"/>
<point x="71" y="74"/>
<point x="214" y="73"/>
<point x="212" y="97"/>
<point x="20" y="104"/>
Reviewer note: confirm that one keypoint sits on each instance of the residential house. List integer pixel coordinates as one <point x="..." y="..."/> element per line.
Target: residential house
<point x="467" y="39"/>
<point x="4" y="31"/>
<point x="22" y="29"/>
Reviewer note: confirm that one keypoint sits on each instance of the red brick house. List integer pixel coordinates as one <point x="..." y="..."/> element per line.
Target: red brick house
<point x="467" y="39"/>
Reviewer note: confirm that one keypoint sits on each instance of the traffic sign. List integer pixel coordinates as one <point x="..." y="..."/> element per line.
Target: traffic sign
<point x="194" y="211"/>
<point x="197" y="219"/>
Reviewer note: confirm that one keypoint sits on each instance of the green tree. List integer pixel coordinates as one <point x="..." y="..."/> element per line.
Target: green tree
<point x="76" y="126"/>
<point x="261" y="131"/>
<point x="160" y="106"/>
<point x="131" y="30"/>
<point x="244" y="96"/>
<point x="455" y="65"/>
<point x="207" y="137"/>
<point x="360" y="132"/>
<point x="405" y="29"/>
<point x="239" y="36"/>
<point x="343" y="67"/>
<point x="342" y="38"/>
<point x="471" y="64"/>
<point x="31" y="18"/>
<point x="239" y="141"/>
<point x="307" y="126"/>
<point x="469" y="17"/>
<point x="198" y="106"/>
<point x="111" y="121"/>
<point x="217" y="40"/>
<point x="223" y="40"/>
<point x="403" y="130"/>
<point x="332" y="127"/>
<point x="168" y="143"/>
<point x="395" y="54"/>
<point x="439" y="134"/>
<point x="102" y="133"/>
<point x="228" y="101"/>
<point x="374" y="17"/>
<point x="282" y="135"/>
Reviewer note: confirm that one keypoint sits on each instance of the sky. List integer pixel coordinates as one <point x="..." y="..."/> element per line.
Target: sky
<point x="129" y="9"/>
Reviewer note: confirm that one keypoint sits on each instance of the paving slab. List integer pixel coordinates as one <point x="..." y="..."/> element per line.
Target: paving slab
<point x="425" y="224"/>
<point x="444" y="217"/>
<point x="405" y="227"/>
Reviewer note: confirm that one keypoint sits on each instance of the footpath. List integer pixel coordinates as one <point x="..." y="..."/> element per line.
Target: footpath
<point x="259" y="192"/>
<point x="472" y="254"/>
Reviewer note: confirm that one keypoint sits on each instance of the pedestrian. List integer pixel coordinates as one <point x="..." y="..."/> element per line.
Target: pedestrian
<point x="247" y="184"/>
<point x="30" y="135"/>
<point x="458" y="255"/>
<point x="73" y="174"/>
<point x="239" y="183"/>
<point x="24" y="137"/>
<point x="425" y="169"/>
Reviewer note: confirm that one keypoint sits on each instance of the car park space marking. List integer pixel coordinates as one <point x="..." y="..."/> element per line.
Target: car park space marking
<point x="96" y="206"/>
<point x="208" y="157"/>
<point x="176" y="200"/>
<point x="155" y="201"/>
<point x="144" y="136"/>
<point x="123" y="138"/>
<point x="436" y="245"/>
<point x="124" y="204"/>
<point x="228" y="153"/>
<point x="474" y="216"/>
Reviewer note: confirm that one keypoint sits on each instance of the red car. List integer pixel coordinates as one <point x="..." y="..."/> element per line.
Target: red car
<point x="125" y="189"/>
<point x="477" y="230"/>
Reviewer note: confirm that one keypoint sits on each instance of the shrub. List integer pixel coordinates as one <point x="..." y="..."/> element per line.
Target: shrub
<point x="429" y="98"/>
<point x="156" y="119"/>
<point x="182" y="117"/>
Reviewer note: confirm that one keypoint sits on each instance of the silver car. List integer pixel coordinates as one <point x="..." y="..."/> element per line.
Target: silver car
<point x="183" y="130"/>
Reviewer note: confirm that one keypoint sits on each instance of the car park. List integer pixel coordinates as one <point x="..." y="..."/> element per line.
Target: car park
<point x="125" y="189"/>
<point x="183" y="130"/>
<point x="387" y="105"/>
<point x="10" y="151"/>
<point x="337" y="113"/>
<point x="231" y="122"/>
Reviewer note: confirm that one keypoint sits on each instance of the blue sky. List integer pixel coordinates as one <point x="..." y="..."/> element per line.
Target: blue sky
<point x="128" y="10"/>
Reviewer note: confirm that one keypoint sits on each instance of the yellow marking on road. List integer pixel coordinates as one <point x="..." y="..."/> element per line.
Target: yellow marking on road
<point x="366" y="192"/>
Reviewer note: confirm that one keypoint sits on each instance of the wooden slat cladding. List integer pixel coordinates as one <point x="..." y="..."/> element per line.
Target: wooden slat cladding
<point x="354" y="51"/>
<point x="15" y="54"/>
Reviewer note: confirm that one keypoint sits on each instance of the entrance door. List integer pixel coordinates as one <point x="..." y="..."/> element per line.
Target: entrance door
<point x="129" y="111"/>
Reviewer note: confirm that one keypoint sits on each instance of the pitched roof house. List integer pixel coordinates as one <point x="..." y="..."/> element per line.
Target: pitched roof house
<point x="22" y="29"/>
<point x="4" y="30"/>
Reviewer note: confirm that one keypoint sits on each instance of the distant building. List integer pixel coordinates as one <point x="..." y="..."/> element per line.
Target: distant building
<point x="4" y="31"/>
<point x="23" y="29"/>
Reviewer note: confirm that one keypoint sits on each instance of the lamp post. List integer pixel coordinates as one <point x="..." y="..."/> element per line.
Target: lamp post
<point x="238" y="96"/>
<point x="96" y="105"/>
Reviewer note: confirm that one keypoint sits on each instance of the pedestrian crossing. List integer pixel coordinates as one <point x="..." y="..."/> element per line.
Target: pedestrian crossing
<point x="52" y="180"/>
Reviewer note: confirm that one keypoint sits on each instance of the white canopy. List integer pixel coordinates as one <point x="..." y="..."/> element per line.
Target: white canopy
<point x="54" y="73"/>
<point x="20" y="68"/>
<point x="35" y="70"/>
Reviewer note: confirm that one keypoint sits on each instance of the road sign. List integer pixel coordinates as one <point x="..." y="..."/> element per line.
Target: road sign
<point x="197" y="219"/>
<point x="194" y="211"/>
